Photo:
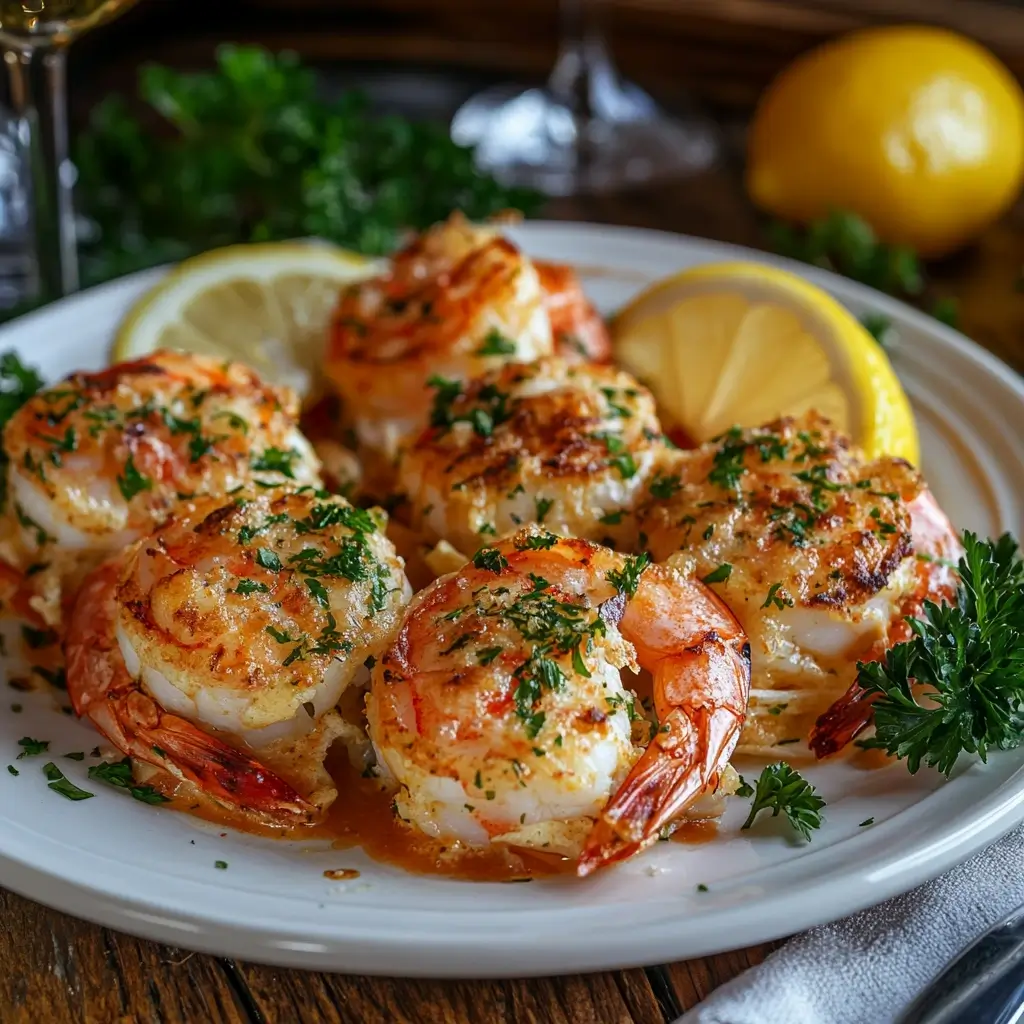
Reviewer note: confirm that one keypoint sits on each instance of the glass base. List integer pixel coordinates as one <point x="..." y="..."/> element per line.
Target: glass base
<point x="532" y="138"/>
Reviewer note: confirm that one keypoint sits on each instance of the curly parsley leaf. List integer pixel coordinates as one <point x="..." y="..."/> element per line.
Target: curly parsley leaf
<point x="783" y="790"/>
<point x="970" y="658"/>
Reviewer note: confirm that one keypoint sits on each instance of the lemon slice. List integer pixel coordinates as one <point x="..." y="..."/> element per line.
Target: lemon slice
<point x="266" y="305"/>
<point x="743" y="343"/>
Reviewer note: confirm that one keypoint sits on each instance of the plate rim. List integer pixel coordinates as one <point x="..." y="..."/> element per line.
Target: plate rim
<point x="1000" y="809"/>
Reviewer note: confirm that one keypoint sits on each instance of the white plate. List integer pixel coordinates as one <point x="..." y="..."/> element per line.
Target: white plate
<point x="152" y="873"/>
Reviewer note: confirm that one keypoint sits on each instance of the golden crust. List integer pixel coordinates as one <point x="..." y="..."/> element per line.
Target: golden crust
<point x="549" y="442"/>
<point x="790" y="505"/>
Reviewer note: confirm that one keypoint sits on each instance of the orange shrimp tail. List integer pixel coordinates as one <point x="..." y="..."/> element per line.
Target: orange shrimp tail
<point x="222" y="772"/>
<point x="654" y="794"/>
<point x="101" y="689"/>
<point x="844" y="720"/>
<point x="683" y="760"/>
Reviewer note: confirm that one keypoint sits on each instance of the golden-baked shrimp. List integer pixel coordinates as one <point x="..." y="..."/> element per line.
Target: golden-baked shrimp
<point x="578" y="331"/>
<point x="458" y="301"/>
<point x="500" y="714"/>
<point x="218" y="647"/>
<point x="820" y="553"/>
<point x="98" y="459"/>
<point x="569" y="446"/>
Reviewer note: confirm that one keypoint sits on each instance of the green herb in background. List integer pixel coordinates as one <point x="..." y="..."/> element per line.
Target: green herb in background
<point x="846" y="243"/>
<point x="880" y="327"/>
<point x="251" y="152"/>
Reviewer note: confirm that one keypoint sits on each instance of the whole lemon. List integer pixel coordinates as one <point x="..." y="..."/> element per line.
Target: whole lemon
<point x="918" y="130"/>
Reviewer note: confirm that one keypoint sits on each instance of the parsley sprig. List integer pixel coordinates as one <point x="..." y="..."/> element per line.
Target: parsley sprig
<point x="783" y="790"/>
<point x="970" y="655"/>
<point x="253" y="152"/>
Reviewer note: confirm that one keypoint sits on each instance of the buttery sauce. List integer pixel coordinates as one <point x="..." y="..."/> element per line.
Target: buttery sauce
<point x="363" y="817"/>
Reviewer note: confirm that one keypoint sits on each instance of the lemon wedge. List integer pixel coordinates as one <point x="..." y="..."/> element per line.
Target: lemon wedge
<point x="743" y="343"/>
<point x="266" y="305"/>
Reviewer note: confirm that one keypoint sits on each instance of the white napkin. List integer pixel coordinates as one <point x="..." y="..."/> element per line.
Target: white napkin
<point x="868" y="968"/>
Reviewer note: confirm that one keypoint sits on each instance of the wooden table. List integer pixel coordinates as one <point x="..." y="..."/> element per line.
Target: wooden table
<point x="54" y="968"/>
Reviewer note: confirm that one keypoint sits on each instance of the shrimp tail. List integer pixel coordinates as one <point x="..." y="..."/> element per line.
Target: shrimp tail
<point x="102" y="690"/>
<point x="222" y="772"/>
<point x="685" y="757"/>
<point x="842" y="722"/>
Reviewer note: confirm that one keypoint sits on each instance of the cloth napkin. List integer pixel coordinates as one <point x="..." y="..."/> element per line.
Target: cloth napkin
<point x="868" y="968"/>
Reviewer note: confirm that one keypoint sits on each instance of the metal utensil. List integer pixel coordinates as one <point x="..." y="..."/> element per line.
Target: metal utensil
<point x="983" y="985"/>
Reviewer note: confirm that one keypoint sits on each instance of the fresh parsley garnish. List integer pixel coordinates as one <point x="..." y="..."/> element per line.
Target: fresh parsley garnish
<point x="246" y="587"/>
<point x="844" y="242"/>
<point x="780" y="600"/>
<point x="132" y="482"/>
<point x="275" y="460"/>
<point x="59" y="783"/>
<point x="719" y="575"/>
<point x="31" y="747"/>
<point x="119" y="775"/>
<point x="782" y="789"/>
<point x="627" y="579"/>
<point x="253" y="151"/>
<point x="969" y="656"/>
<point x="664" y="485"/>
<point x="490" y="559"/>
<point x="496" y="344"/>
<point x="18" y="384"/>
<point x="268" y="560"/>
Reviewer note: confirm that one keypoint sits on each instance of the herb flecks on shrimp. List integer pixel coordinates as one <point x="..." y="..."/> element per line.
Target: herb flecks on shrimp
<point x="815" y="549"/>
<point x="217" y="648"/>
<point x="500" y="714"/>
<point x="100" y="458"/>
<point x="567" y="446"/>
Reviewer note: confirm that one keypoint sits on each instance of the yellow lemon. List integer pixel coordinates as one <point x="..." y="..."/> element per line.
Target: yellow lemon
<point x="918" y="130"/>
<point x="267" y="305"/>
<point x="743" y="343"/>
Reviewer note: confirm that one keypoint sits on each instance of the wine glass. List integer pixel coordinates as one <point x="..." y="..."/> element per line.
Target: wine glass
<point x="35" y="35"/>
<point x="585" y="130"/>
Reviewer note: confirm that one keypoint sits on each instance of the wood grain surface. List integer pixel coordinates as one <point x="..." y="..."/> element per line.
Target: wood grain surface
<point x="54" y="968"/>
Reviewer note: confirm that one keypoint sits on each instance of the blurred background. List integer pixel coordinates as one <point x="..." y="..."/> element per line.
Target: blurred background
<point x="706" y="63"/>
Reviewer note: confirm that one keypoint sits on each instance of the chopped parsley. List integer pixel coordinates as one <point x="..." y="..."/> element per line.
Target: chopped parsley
<point x="496" y="344"/>
<point x="780" y="600"/>
<point x="719" y="575"/>
<point x="542" y="507"/>
<point x="59" y="783"/>
<point x="276" y="460"/>
<point x="627" y="579"/>
<point x="268" y="560"/>
<point x="490" y="559"/>
<point x="119" y="775"/>
<point x="31" y="747"/>
<point x="132" y="482"/>
<point x="246" y="587"/>
<point x="536" y="542"/>
<point x="664" y="485"/>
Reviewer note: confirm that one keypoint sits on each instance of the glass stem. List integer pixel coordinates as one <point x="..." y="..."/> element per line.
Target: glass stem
<point x="38" y="96"/>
